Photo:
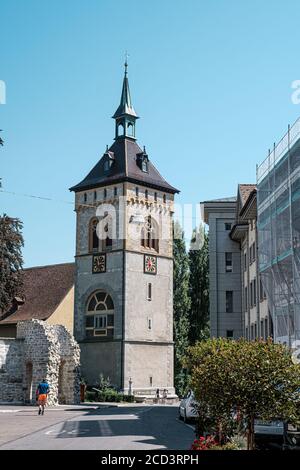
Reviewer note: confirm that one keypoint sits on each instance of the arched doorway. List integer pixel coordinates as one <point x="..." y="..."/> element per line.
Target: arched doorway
<point x="28" y="383"/>
<point x="62" y="383"/>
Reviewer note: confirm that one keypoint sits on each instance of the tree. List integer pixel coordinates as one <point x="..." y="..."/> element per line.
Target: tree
<point x="181" y="306"/>
<point x="11" y="261"/>
<point x="258" y="379"/>
<point x="199" y="286"/>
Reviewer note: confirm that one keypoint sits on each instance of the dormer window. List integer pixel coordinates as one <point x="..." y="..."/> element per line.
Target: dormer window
<point x="143" y="161"/>
<point x="145" y="166"/>
<point x="108" y="161"/>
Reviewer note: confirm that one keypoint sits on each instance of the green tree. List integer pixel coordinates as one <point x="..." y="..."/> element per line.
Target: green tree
<point x="11" y="261"/>
<point x="199" y="286"/>
<point x="256" y="378"/>
<point x="181" y="306"/>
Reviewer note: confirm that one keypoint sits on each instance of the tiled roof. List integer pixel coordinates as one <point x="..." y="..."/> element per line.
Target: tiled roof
<point x="245" y="191"/>
<point x="44" y="289"/>
<point x="125" y="152"/>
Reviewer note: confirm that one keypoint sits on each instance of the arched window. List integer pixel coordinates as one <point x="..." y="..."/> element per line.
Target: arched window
<point x="130" y="129"/>
<point x="120" y="129"/>
<point x="93" y="236"/>
<point x="150" y="234"/>
<point x="99" y="319"/>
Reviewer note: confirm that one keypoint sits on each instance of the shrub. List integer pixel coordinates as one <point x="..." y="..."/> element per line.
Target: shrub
<point x="204" y="443"/>
<point x="90" y="395"/>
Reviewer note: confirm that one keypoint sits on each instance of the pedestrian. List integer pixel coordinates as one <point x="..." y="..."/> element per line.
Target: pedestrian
<point x="42" y="392"/>
<point x="165" y="395"/>
<point x="157" y="395"/>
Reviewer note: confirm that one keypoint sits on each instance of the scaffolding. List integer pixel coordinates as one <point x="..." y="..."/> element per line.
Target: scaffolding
<point x="278" y="223"/>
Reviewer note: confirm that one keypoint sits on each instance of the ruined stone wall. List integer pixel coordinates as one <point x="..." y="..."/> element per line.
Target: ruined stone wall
<point x="40" y="351"/>
<point x="11" y="377"/>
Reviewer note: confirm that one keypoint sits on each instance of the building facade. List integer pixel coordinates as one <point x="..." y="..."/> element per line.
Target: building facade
<point x="278" y="188"/>
<point x="225" y="291"/>
<point x="257" y="322"/>
<point x="124" y="266"/>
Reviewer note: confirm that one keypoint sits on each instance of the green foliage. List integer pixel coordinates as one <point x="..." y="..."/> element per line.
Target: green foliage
<point x="257" y="378"/>
<point x="199" y="286"/>
<point x="109" y="394"/>
<point x="11" y="261"/>
<point x="104" y="382"/>
<point x="181" y="306"/>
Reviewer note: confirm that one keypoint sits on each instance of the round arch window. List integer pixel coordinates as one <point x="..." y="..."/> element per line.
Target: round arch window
<point x="99" y="319"/>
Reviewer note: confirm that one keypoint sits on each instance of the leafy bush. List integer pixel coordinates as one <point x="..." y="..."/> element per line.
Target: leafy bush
<point x="204" y="443"/>
<point x="90" y="395"/>
<point x="128" y="398"/>
<point x="109" y="394"/>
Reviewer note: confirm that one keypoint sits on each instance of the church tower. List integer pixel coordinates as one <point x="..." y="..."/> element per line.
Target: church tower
<point x="124" y="266"/>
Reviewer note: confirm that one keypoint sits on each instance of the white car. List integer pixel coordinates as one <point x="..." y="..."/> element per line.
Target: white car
<point x="188" y="407"/>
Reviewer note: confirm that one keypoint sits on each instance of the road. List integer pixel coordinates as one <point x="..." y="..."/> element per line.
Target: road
<point x="129" y="427"/>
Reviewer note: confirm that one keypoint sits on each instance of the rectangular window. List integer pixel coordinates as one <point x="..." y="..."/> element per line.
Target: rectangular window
<point x="252" y="332"/>
<point x="229" y="334"/>
<point x="254" y="292"/>
<point x="105" y="193"/>
<point x="228" y="262"/>
<point x="100" y="321"/>
<point x="246" y="332"/>
<point x="229" y="301"/>
<point x="266" y="328"/>
<point x="262" y="329"/>
<point x="245" y="261"/>
<point x="255" y="330"/>
<point x="155" y="197"/>
<point x="150" y="381"/>
<point x="146" y="194"/>
<point x="149" y="291"/>
<point x="246" y="299"/>
<point x="251" y="295"/>
<point x="261" y="291"/>
<point x="137" y="192"/>
<point x="149" y="324"/>
<point x="115" y="191"/>
<point x="254" y="251"/>
<point x="227" y="226"/>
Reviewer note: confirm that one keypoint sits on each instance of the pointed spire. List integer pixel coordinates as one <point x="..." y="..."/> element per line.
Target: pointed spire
<point x="125" y="106"/>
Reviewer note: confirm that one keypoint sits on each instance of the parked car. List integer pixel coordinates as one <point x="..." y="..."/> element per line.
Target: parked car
<point x="188" y="407"/>
<point x="269" y="434"/>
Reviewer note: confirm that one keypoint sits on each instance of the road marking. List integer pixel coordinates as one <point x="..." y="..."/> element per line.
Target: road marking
<point x="9" y="411"/>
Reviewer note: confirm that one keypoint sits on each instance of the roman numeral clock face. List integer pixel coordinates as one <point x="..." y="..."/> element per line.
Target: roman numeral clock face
<point x="150" y="264"/>
<point x="99" y="264"/>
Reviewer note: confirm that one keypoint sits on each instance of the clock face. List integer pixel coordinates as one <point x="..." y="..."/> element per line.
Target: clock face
<point x="150" y="264"/>
<point x="99" y="264"/>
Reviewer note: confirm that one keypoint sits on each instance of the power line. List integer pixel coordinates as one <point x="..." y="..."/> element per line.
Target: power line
<point x="60" y="201"/>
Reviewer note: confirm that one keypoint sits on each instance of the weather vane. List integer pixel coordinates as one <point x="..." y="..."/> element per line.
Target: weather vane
<point x="126" y="61"/>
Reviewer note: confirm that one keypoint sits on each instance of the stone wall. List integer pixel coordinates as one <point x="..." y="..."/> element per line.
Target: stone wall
<point x="11" y="366"/>
<point x="40" y="351"/>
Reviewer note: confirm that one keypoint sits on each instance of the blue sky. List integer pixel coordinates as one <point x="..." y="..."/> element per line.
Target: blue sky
<point x="211" y="82"/>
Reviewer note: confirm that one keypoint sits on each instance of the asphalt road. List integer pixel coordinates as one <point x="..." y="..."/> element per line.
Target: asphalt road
<point x="115" y="428"/>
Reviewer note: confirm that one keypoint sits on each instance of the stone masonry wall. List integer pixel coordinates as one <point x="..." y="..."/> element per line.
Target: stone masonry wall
<point x="11" y="379"/>
<point x="40" y="351"/>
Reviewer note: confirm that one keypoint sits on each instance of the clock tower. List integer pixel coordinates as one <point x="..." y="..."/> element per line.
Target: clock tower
<point x="124" y="265"/>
